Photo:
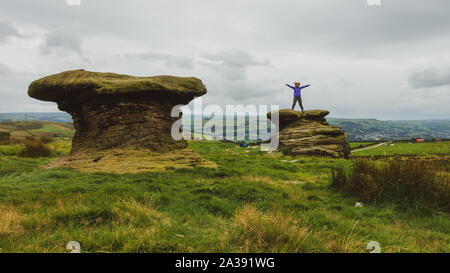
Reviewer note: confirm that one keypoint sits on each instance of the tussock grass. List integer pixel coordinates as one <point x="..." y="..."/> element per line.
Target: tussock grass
<point x="417" y="184"/>
<point x="140" y="214"/>
<point x="35" y="148"/>
<point x="257" y="231"/>
<point x="10" y="219"/>
<point x="45" y="139"/>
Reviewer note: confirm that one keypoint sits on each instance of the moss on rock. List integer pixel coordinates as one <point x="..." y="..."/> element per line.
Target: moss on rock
<point x="57" y="87"/>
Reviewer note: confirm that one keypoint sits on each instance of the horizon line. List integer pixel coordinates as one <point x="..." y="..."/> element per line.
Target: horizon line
<point x="331" y="117"/>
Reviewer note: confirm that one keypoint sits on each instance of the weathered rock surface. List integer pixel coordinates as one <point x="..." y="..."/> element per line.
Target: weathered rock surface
<point x="111" y="110"/>
<point x="309" y="133"/>
<point x="123" y="123"/>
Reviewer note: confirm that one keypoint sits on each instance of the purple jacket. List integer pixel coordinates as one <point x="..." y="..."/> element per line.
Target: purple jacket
<point x="298" y="90"/>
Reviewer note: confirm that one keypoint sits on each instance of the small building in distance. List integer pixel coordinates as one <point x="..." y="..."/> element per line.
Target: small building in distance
<point x="438" y="140"/>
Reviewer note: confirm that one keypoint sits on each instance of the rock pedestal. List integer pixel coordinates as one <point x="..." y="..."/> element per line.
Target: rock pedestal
<point x="308" y="133"/>
<point x="111" y="110"/>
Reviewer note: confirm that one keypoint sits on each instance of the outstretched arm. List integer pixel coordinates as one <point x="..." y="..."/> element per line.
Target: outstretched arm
<point x="290" y="86"/>
<point x="305" y="86"/>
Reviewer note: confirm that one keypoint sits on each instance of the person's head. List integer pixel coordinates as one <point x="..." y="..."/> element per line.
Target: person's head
<point x="297" y="84"/>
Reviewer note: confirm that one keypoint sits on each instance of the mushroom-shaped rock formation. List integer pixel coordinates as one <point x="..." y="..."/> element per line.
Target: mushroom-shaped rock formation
<point x="123" y="123"/>
<point x="308" y="133"/>
<point x="111" y="110"/>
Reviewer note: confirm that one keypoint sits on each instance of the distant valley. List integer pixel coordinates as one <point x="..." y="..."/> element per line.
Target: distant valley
<point x="358" y="129"/>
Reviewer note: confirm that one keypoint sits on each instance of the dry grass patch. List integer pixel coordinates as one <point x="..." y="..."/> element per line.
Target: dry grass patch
<point x="261" y="178"/>
<point x="10" y="219"/>
<point x="35" y="147"/>
<point x="256" y="231"/>
<point x="142" y="214"/>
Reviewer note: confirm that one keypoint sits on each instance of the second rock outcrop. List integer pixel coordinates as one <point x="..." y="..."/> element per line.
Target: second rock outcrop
<point x="308" y="133"/>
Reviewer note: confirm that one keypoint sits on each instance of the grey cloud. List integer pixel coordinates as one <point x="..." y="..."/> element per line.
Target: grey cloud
<point x="4" y="70"/>
<point x="7" y="30"/>
<point x="319" y="41"/>
<point x="170" y="60"/>
<point x="235" y="58"/>
<point x="232" y="64"/>
<point x="431" y="77"/>
<point x="62" y="41"/>
<point x="350" y="28"/>
<point x="324" y="25"/>
<point x="244" y="91"/>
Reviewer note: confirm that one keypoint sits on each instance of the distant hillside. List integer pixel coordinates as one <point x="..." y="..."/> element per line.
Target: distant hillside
<point x="58" y="117"/>
<point x="358" y="129"/>
<point x="372" y="129"/>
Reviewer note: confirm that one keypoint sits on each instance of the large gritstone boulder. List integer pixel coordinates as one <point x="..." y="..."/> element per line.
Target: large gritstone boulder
<point x="111" y="110"/>
<point x="123" y="123"/>
<point x="308" y="133"/>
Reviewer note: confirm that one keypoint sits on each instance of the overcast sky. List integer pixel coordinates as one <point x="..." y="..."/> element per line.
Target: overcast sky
<point x="387" y="62"/>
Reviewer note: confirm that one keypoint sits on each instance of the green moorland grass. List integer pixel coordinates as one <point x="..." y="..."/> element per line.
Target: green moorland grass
<point x="254" y="202"/>
<point x="49" y="128"/>
<point x="357" y="144"/>
<point x="404" y="148"/>
<point x="23" y="129"/>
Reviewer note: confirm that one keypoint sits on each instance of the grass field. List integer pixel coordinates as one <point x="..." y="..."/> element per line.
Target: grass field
<point x="54" y="129"/>
<point x="37" y="128"/>
<point x="358" y="144"/>
<point x="404" y="148"/>
<point x="253" y="202"/>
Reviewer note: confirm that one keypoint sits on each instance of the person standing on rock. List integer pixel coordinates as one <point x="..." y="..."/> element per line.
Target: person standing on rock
<point x="297" y="94"/>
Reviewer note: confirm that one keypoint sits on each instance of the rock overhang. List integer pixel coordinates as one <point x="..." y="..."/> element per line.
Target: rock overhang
<point x="119" y="111"/>
<point x="81" y="86"/>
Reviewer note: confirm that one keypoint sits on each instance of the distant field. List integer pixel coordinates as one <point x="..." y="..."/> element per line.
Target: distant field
<point x="357" y="144"/>
<point x="57" y="116"/>
<point x="371" y="129"/>
<point x="358" y="129"/>
<point x="24" y="129"/>
<point x="404" y="148"/>
<point x="54" y="129"/>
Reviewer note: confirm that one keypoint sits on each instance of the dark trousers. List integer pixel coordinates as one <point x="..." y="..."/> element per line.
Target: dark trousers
<point x="299" y="99"/>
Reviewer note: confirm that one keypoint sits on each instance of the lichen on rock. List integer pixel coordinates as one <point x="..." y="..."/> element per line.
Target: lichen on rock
<point x="308" y="133"/>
